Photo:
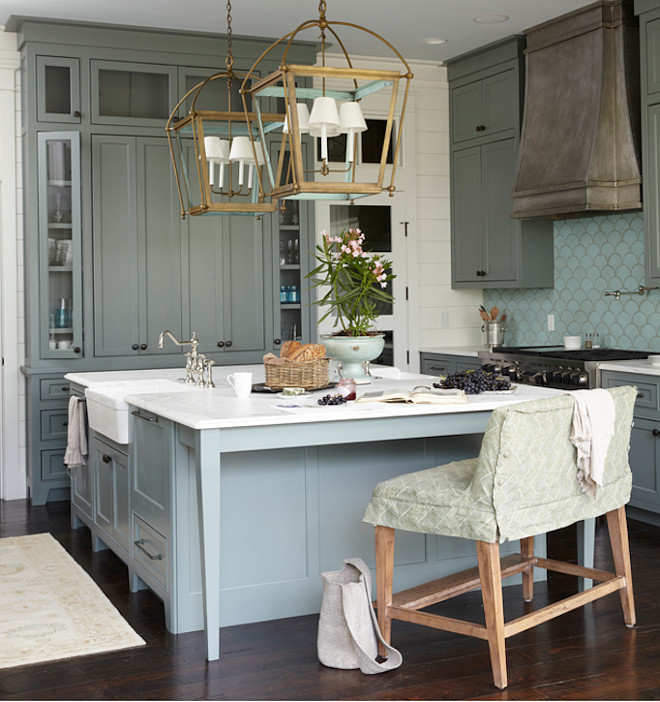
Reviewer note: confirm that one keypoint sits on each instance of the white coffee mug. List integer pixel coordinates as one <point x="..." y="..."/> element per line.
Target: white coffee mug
<point x="64" y="344"/>
<point x="241" y="382"/>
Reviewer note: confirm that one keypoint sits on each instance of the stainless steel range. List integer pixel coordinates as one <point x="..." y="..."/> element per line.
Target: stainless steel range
<point x="553" y="366"/>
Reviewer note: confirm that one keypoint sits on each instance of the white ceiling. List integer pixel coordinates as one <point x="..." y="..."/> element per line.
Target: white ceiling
<point x="404" y="23"/>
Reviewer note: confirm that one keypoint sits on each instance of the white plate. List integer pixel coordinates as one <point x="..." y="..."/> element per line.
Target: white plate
<point x="510" y="391"/>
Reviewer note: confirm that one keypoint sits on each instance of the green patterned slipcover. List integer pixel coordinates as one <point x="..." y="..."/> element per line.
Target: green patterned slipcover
<point x="523" y="483"/>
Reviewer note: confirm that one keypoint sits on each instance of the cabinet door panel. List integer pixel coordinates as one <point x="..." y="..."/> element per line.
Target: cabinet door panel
<point x="160" y="246"/>
<point x="652" y="195"/>
<point x="466" y="111"/>
<point x="500" y="103"/>
<point x="501" y="230"/>
<point x="466" y="214"/>
<point x="645" y="465"/>
<point x="652" y="30"/>
<point x="244" y="285"/>
<point x="115" y="245"/>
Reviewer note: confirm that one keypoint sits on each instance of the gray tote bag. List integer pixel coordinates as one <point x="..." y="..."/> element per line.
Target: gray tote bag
<point x="348" y="633"/>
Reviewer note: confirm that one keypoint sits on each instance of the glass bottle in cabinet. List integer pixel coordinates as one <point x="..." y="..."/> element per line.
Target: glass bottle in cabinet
<point x="60" y="316"/>
<point x="289" y="269"/>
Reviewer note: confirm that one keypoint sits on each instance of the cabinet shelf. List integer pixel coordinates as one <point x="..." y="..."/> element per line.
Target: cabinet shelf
<point x="60" y="269"/>
<point x="60" y="225"/>
<point x="59" y="183"/>
<point x="290" y="305"/>
<point x="290" y="267"/>
<point x="60" y="330"/>
<point x="289" y="227"/>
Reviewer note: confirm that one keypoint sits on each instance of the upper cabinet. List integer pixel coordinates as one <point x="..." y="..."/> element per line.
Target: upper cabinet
<point x="58" y="89"/>
<point x="489" y="248"/>
<point x="484" y="107"/>
<point x="110" y="264"/>
<point x="649" y="31"/>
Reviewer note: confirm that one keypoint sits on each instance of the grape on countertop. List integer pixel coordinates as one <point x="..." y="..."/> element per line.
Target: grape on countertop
<point x="474" y="381"/>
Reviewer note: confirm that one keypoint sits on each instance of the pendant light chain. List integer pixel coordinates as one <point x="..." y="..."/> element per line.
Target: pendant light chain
<point x="229" y="61"/>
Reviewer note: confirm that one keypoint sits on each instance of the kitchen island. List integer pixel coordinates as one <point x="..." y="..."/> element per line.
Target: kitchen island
<point x="239" y="505"/>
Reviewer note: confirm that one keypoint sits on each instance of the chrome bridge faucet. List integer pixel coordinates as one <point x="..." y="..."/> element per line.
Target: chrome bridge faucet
<point x="199" y="369"/>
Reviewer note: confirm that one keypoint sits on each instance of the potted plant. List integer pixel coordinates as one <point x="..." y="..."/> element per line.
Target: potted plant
<point x="356" y="282"/>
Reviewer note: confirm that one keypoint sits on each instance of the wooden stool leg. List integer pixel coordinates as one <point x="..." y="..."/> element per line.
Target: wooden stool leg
<point x="618" y="528"/>
<point x="491" y="592"/>
<point x="527" y="551"/>
<point x="384" y="581"/>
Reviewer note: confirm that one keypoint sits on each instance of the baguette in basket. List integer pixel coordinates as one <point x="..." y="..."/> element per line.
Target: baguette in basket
<point x="296" y="352"/>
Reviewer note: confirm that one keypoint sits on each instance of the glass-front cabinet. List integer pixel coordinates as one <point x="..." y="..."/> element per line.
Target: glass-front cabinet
<point x="59" y="240"/>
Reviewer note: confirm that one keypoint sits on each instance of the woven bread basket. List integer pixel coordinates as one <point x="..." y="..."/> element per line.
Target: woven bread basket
<point x="310" y="375"/>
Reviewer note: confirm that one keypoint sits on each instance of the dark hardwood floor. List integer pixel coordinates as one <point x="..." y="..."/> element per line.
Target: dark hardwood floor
<point x="586" y="654"/>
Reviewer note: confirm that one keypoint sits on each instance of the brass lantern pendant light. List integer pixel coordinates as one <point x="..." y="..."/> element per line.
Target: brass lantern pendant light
<point x="216" y="155"/>
<point x="324" y="102"/>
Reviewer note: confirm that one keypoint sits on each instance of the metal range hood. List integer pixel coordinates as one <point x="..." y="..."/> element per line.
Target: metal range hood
<point x="579" y="148"/>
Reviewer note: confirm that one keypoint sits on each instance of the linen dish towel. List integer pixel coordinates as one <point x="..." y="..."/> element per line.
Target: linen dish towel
<point x="593" y="427"/>
<point x="76" y="440"/>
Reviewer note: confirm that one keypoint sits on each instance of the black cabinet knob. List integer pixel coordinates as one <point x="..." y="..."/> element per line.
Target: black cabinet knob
<point x="135" y="347"/>
<point x="228" y="344"/>
<point x="106" y="458"/>
<point x="175" y="119"/>
<point x="656" y="432"/>
<point x="481" y="127"/>
<point x="221" y="344"/>
<point x="481" y="273"/>
<point x="143" y="347"/>
<point x="76" y="349"/>
<point x="277" y="342"/>
<point x="76" y="114"/>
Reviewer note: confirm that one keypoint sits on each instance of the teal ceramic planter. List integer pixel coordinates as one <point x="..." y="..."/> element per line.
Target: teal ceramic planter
<point x="352" y="351"/>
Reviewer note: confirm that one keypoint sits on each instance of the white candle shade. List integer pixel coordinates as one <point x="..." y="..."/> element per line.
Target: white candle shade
<point x="217" y="152"/>
<point x="241" y="151"/>
<point x="303" y="119"/>
<point x="324" y="122"/>
<point x="352" y="122"/>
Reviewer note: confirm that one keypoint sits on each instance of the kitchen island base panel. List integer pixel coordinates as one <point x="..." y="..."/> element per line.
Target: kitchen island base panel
<point x="286" y="516"/>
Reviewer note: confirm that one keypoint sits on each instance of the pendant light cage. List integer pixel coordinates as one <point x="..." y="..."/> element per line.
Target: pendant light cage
<point x="324" y="102"/>
<point x="218" y="154"/>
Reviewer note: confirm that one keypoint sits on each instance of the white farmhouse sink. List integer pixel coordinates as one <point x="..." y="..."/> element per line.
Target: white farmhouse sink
<point x="107" y="411"/>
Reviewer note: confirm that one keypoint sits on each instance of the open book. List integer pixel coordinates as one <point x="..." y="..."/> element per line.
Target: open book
<point x="420" y="394"/>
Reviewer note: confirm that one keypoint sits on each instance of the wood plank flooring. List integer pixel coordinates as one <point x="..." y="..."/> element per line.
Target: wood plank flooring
<point x="584" y="655"/>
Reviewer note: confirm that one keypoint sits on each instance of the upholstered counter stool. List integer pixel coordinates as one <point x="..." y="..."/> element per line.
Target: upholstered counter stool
<point x="524" y="482"/>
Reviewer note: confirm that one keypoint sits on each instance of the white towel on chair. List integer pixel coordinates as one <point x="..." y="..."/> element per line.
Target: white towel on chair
<point x="593" y="427"/>
<point x="76" y="441"/>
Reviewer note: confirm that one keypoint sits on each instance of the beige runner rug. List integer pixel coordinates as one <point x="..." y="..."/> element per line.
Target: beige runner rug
<point x="50" y="608"/>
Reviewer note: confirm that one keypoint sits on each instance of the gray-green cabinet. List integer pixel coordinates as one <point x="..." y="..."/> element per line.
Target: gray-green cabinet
<point x="58" y="89"/>
<point x="649" y="26"/>
<point x="444" y="364"/>
<point x="111" y="493"/>
<point x="489" y="248"/>
<point x="645" y="437"/>
<point x="47" y="423"/>
<point x="137" y="246"/>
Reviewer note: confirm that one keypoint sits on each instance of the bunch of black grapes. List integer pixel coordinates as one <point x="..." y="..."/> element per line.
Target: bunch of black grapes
<point x="474" y="381"/>
<point x="332" y="400"/>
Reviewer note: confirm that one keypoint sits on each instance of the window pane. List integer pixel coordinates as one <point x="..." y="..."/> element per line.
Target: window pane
<point x="373" y="220"/>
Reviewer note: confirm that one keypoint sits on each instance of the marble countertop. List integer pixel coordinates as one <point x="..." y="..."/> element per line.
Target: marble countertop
<point x="454" y="350"/>
<point x="637" y="366"/>
<point x="219" y="408"/>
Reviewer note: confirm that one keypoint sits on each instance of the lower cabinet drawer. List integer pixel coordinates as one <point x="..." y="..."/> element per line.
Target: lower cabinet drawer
<point x="54" y="424"/>
<point x="150" y="550"/>
<point x="52" y="465"/>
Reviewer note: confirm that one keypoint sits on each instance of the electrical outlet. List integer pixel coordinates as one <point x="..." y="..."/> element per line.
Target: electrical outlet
<point x="551" y="322"/>
<point x="443" y="322"/>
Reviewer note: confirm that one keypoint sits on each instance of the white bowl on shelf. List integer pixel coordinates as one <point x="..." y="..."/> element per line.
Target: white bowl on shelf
<point x="572" y="343"/>
<point x="654" y="360"/>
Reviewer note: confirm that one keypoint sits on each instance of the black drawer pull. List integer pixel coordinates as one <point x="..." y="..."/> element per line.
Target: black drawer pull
<point x="153" y="420"/>
<point x="157" y="557"/>
<point x="106" y="458"/>
<point x="640" y="395"/>
<point x="438" y="368"/>
<point x="656" y="432"/>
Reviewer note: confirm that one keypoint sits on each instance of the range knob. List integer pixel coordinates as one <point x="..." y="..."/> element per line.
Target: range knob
<point x="581" y="379"/>
<point x="492" y="368"/>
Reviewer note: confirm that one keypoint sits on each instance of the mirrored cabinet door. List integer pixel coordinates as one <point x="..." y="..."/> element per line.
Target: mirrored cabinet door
<point x="59" y="242"/>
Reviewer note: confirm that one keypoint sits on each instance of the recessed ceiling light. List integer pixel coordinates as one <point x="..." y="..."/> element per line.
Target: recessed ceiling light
<point x="490" y="19"/>
<point x="434" y="40"/>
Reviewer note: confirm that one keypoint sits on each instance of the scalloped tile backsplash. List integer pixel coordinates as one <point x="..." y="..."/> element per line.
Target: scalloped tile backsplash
<point x="592" y="255"/>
